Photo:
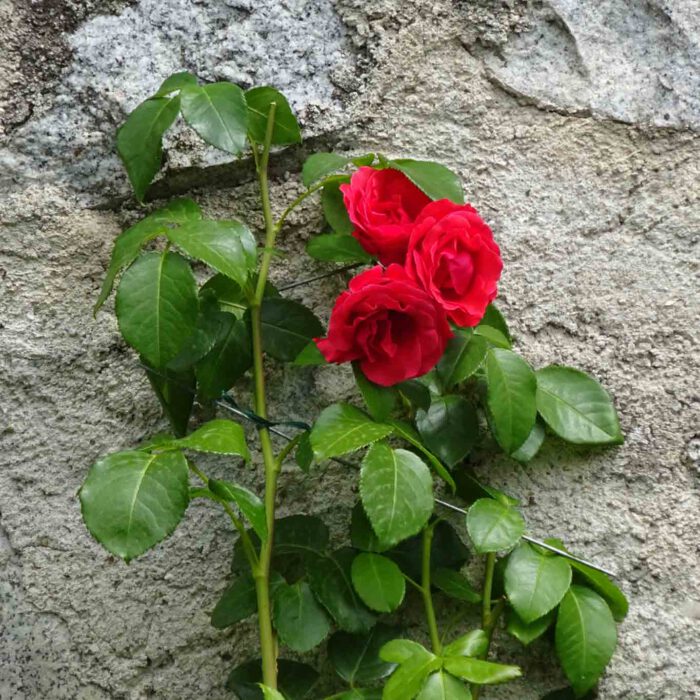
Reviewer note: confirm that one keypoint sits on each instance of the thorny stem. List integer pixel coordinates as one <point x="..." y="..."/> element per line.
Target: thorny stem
<point x="425" y="590"/>
<point x="489" y="614"/>
<point x="261" y="573"/>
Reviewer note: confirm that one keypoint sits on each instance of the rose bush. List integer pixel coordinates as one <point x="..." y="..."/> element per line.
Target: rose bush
<point x="199" y="338"/>
<point x="382" y="205"/>
<point x="387" y="323"/>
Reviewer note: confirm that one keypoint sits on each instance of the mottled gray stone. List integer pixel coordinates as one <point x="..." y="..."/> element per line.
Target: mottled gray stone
<point x="598" y="224"/>
<point x="637" y="61"/>
<point x="119" y="60"/>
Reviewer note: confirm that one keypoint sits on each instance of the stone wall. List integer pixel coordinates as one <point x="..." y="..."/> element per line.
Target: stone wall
<point x="574" y="124"/>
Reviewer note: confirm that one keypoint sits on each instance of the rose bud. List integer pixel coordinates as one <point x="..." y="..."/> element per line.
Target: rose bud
<point x="382" y="205"/>
<point x="452" y="255"/>
<point x="388" y="324"/>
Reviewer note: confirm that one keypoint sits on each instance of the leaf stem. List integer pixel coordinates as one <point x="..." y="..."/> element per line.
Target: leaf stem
<point x="268" y="646"/>
<point x="425" y="589"/>
<point x="307" y="193"/>
<point x="248" y="548"/>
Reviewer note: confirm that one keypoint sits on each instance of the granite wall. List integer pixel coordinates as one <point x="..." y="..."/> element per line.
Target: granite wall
<point x="574" y="124"/>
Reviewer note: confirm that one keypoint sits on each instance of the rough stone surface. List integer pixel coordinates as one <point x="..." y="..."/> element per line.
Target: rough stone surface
<point x="556" y="117"/>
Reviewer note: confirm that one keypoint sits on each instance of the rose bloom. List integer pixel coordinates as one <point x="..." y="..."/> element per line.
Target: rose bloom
<point x="452" y="255"/>
<point x="382" y="205"/>
<point x="388" y="324"/>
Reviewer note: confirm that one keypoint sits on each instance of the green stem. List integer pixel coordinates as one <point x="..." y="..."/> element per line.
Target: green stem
<point x="489" y="614"/>
<point x="268" y="645"/>
<point x="425" y="589"/>
<point x="248" y="547"/>
<point x="307" y="193"/>
<point x="488" y="587"/>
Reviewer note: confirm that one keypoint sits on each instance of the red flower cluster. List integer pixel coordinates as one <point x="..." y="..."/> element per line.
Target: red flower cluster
<point x="442" y="264"/>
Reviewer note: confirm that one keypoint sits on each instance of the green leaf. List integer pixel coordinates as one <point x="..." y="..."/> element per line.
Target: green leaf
<point x="157" y="306"/>
<point x="585" y="637"/>
<point x="226" y="246"/>
<point x="249" y="504"/>
<point x="481" y="672"/>
<point x="576" y="407"/>
<point x="237" y="602"/>
<point x="175" y="83"/>
<point x="318" y="165"/>
<point x="397" y="492"/>
<point x="405" y="683"/>
<point x="128" y="244"/>
<point x="304" y="454"/>
<point x="286" y="128"/>
<point x="493" y="336"/>
<point x="299" y="620"/>
<point x="407" y="432"/>
<point x="133" y="500"/>
<point x="287" y="328"/>
<point x="229" y="359"/>
<point x="473" y="643"/>
<point x="231" y="297"/>
<point x="380" y="400"/>
<point x="310" y="356"/>
<point x="449" y="428"/>
<point x="494" y="318"/>
<point x="510" y="398"/>
<point x="362" y="535"/>
<point x="337" y="247"/>
<point x="398" y="651"/>
<point x="604" y="587"/>
<point x="330" y="579"/>
<point x="416" y="392"/>
<point x="494" y="526"/>
<point x="209" y="326"/>
<point x="355" y="658"/>
<point x="528" y="632"/>
<point x="455" y="585"/>
<point x="302" y="535"/>
<point x="531" y="446"/>
<point x="437" y="181"/>
<point x="229" y="294"/>
<point x="218" y="113"/>
<point x="443" y="686"/>
<point x="358" y="694"/>
<point x="342" y="428"/>
<point x="139" y="140"/>
<point x="471" y="490"/>
<point x="447" y="551"/>
<point x="175" y="392"/>
<point x="463" y="356"/>
<point x="378" y="581"/>
<point x="219" y="436"/>
<point x="334" y="209"/>
<point x="295" y="680"/>
<point x="271" y="693"/>
<point x="535" y="582"/>
<point x="598" y="581"/>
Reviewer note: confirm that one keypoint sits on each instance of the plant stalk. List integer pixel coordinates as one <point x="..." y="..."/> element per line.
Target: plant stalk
<point x="261" y="573"/>
<point x="425" y="590"/>
<point x="489" y="614"/>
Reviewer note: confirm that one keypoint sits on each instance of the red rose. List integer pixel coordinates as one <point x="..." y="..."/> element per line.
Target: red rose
<point x="383" y="204"/>
<point x="453" y="256"/>
<point x="387" y="323"/>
